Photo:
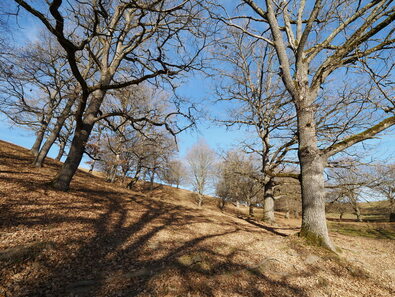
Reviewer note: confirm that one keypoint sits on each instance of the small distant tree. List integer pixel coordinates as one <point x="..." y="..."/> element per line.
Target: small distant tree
<point x="338" y="204"/>
<point x="201" y="161"/>
<point x="348" y="185"/>
<point x="239" y="180"/>
<point x="287" y="194"/>
<point x="174" y="173"/>
<point x="225" y="187"/>
<point x="386" y="185"/>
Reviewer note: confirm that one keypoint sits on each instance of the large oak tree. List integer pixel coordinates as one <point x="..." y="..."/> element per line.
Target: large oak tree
<point x="318" y="41"/>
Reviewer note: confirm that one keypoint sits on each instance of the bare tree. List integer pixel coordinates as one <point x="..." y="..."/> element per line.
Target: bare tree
<point x="348" y="190"/>
<point x="350" y="185"/>
<point x="311" y="43"/>
<point x="225" y="187"/>
<point x="34" y="89"/>
<point x="115" y="44"/>
<point x="201" y="160"/>
<point x="260" y="104"/>
<point x="337" y="204"/>
<point x="385" y="185"/>
<point x="134" y="148"/>
<point x="287" y="195"/>
<point x="174" y="173"/>
<point x="239" y="180"/>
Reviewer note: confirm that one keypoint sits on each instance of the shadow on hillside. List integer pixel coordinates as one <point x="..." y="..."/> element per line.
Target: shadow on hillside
<point x="342" y="220"/>
<point x="118" y="251"/>
<point x="268" y="228"/>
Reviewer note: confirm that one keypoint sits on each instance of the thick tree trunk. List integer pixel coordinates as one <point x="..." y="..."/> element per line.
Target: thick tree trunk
<point x="268" y="207"/>
<point x="70" y="166"/>
<point x="40" y="136"/>
<point x="39" y="160"/>
<point x="81" y="136"/>
<point x="312" y="164"/>
<point x="358" y="214"/>
<point x="37" y="143"/>
<point x="136" y="177"/>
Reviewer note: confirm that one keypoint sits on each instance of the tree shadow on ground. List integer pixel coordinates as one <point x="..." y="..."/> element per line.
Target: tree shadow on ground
<point x="268" y="228"/>
<point x="97" y="240"/>
<point x="117" y="253"/>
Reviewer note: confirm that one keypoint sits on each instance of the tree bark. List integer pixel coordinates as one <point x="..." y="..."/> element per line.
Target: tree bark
<point x="268" y="207"/>
<point x="70" y="166"/>
<point x="39" y="138"/>
<point x="251" y="210"/>
<point x="81" y="136"/>
<point x="312" y="164"/>
<point x="37" y="143"/>
<point x="62" y="147"/>
<point x="39" y="160"/>
<point x="136" y="177"/>
<point x="200" y="200"/>
<point x="358" y="213"/>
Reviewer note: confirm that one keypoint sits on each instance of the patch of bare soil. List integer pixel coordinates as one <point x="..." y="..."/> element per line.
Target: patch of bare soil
<point x="99" y="239"/>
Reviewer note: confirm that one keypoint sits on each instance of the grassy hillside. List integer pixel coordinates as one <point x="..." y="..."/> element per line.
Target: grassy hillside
<point x="99" y="239"/>
<point x="375" y="211"/>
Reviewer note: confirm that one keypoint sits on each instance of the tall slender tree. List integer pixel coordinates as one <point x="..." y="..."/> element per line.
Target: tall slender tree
<point x="201" y="160"/>
<point x="258" y="103"/>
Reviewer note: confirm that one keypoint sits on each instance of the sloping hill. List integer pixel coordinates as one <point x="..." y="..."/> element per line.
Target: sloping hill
<point x="102" y="240"/>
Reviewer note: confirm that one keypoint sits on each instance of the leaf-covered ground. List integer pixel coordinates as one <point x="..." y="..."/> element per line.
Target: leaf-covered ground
<point x="99" y="239"/>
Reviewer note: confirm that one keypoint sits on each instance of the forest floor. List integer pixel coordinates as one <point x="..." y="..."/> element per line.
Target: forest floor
<point x="100" y="239"/>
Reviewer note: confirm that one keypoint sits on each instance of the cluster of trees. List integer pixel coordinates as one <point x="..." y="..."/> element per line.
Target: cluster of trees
<point x="308" y="80"/>
<point x="108" y="47"/>
<point x="348" y="187"/>
<point x="238" y="181"/>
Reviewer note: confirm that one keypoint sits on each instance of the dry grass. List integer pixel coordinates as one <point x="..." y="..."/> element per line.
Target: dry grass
<point x="102" y="240"/>
<point x="375" y="211"/>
